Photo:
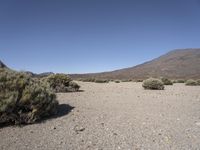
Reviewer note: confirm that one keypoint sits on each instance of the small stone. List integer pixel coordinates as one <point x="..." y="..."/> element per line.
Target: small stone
<point x="114" y="133"/>
<point x="79" y="129"/>
<point x="53" y="127"/>
<point x="197" y="123"/>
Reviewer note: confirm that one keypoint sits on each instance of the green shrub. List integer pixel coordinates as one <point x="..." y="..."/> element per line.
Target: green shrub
<point x="191" y="82"/>
<point x="117" y="81"/>
<point x="138" y="80"/>
<point x="24" y="100"/>
<point x="153" y="84"/>
<point x="101" y="81"/>
<point x="73" y="86"/>
<point x="166" y="81"/>
<point x="61" y="83"/>
<point x="126" y="80"/>
<point x="198" y="82"/>
<point x="88" y="80"/>
<point x="180" y="81"/>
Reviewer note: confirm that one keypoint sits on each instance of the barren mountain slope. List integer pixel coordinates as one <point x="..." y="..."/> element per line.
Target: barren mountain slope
<point x="181" y="63"/>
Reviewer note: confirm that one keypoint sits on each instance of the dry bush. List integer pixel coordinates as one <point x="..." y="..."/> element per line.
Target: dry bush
<point x="61" y="83"/>
<point x="198" y="82"/>
<point x="191" y="82"/>
<point x="117" y="81"/>
<point x="153" y="84"/>
<point x="180" y="81"/>
<point x="101" y="81"/>
<point x="24" y="100"/>
<point x="166" y="81"/>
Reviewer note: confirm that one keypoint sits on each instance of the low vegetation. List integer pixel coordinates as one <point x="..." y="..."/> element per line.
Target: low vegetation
<point x="24" y="100"/>
<point x="198" y="82"/>
<point x="153" y="84"/>
<point x="126" y="80"/>
<point x="117" y="81"/>
<point x="61" y="83"/>
<point x="179" y="81"/>
<point x="191" y="82"/>
<point x="166" y="81"/>
<point x="101" y="81"/>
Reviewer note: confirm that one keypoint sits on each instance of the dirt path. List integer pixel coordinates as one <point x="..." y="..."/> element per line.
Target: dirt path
<point x="115" y="116"/>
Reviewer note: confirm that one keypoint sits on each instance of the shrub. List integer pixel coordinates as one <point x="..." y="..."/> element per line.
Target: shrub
<point x="153" y="84"/>
<point x="174" y="81"/>
<point x="191" y="82"/>
<point x="61" y="83"/>
<point x="166" y="81"/>
<point x="126" y="80"/>
<point x="88" y="80"/>
<point x="180" y="81"/>
<point x="73" y="86"/>
<point x="138" y="80"/>
<point x="117" y="81"/>
<point x="198" y="82"/>
<point x="101" y="81"/>
<point x="24" y="100"/>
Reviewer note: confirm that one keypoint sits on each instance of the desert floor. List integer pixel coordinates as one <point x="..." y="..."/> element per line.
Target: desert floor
<point x="115" y="116"/>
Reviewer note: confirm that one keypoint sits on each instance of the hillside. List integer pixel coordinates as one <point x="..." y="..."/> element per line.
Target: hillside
<point x="180" y="63"/>
<point x="2" y="65"/>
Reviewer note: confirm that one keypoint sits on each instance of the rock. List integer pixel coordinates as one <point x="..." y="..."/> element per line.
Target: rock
<point x="79" y="129"/>
<point x="197" y="123"/>
<point x="53" y="127"/>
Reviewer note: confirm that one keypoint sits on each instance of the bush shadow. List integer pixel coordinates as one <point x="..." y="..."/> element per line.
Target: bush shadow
<point x="62" y="110"/>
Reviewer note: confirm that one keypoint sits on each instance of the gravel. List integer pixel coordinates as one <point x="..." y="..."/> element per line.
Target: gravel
<point x="115" y="116"/>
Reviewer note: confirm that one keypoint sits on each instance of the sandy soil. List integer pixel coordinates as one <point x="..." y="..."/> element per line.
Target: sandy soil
<point x="115" y="116"/>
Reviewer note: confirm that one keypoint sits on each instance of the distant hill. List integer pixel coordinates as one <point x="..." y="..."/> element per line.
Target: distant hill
<point x="180" y="63"/>
<point x="2" y="65"/>
<point x="41" y="75"/>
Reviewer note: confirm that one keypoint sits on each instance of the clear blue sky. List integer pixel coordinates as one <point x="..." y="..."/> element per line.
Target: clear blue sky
<point x="77" y="36"/>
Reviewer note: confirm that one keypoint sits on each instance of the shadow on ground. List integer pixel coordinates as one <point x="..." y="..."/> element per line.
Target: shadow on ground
<point x="63" y="109"/>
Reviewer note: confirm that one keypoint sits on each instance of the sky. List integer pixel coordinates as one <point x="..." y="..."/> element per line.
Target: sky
<point x="81" y="36"/>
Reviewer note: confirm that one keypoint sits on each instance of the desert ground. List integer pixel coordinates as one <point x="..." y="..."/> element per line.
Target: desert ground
<point x="115" y="116"/>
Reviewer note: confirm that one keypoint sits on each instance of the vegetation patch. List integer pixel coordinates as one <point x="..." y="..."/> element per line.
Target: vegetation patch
<point x="180" y="81"/>
<point x="117" y="81"/>
<point x="24" y="100"/>
<point x="191" y="82"/>
<point x="153" y="84"/>
<point x="166" y="81"/>
<point x="61" y="83"/>
<point x="101" y="81"/>
<point x="198" y="82"/>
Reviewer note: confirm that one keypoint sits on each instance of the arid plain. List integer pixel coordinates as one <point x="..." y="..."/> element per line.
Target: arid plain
<point x="115" y="116"/>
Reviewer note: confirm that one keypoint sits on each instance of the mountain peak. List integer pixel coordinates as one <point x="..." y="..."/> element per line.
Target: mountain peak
<point x="178" y="63"/>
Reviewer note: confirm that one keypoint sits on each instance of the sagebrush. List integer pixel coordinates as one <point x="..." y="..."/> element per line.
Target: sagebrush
<point x="191" y="82"/>
<point x="61" y="83"/>
<point x="23" y="99"/>
<point x="153" y="84"/>
<point x="166" y="81"/>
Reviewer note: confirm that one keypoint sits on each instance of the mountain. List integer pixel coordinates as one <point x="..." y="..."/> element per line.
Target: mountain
<point x="44" y="74"/>
<point x="2" y="65"/>
<point x="176" y="64"/>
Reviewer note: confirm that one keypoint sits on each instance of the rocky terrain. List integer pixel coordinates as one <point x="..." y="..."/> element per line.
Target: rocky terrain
<point x="115" y="116"/>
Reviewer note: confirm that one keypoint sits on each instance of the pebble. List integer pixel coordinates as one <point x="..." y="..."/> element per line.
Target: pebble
<point x="197" y="123"/>
<point x="79" y="129"/>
